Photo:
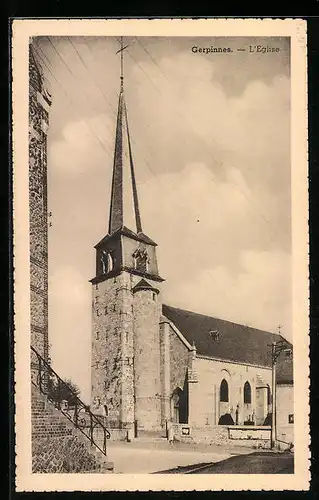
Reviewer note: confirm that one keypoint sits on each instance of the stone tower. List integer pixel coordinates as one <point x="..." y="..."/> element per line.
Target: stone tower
<point x="39" y="107"/>
<point x="126" y="305"/>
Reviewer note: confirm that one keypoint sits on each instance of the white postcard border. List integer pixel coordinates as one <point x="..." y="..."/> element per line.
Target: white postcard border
<point x="296" y="29"/>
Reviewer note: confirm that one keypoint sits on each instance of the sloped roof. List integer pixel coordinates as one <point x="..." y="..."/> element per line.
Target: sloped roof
<point x="126" y="232"/>
<point x="233" y="342"/>
<point x="144" y="285"/>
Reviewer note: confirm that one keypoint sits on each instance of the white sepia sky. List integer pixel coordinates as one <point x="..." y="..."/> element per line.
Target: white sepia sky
<point x="211" y="145"/>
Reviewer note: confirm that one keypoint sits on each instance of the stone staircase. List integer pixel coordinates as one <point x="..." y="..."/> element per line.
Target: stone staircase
<point x="64" y="441"/>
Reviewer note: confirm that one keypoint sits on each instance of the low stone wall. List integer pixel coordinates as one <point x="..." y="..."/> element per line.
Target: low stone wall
<point x="285" y="433"/>
<point x="115" y="435"/>
<point x="254" y="432"/>
<point x="250" y="435"/>
<point x="57" y="446"/>
<point x="223" y="435"/>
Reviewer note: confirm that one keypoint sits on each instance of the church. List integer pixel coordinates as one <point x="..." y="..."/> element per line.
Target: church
<point x="156" y="367"/>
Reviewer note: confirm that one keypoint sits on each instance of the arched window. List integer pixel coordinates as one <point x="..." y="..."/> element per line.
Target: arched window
<point x="223" y="391"/>
<point x="268" y="395"/>
<point x="247" y="393"/>
<point x="106" y="261"/>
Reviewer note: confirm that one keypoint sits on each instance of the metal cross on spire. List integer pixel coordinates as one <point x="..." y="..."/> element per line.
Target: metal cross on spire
<point x="120" y="51"/>
<point x="124" y="208"/>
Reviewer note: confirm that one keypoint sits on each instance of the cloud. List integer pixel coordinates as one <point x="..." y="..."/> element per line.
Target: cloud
<point x="213" y="174"/>
<point x="79" y="149"/>
<point x="257" y="295"/>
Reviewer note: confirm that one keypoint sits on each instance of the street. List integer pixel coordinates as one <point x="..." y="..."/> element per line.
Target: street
<point x="252" y="463"/>
<point x="141" y="457"/>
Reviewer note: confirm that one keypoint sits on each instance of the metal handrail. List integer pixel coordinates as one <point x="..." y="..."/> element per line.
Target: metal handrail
<point x="79" y="413"/>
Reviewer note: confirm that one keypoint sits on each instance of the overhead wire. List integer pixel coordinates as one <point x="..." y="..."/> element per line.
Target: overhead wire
<point x="97" y="111"/>
<point x="74" y="108"/>
<point x="113" y="112"/>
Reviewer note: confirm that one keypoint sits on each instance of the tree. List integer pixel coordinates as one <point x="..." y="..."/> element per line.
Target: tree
<point x="65" y="390"/>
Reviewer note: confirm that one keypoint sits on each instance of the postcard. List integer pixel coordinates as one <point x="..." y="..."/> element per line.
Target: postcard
<point x="160" y="254"/>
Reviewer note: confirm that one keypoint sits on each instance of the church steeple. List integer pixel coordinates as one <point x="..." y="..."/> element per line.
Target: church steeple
<point x="124" y="207"/>
<point x="125" y="247"/>
<point x="126" y="303"/>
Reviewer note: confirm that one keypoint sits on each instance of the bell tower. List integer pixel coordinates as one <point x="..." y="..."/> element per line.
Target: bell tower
<point x="126" y="303"/>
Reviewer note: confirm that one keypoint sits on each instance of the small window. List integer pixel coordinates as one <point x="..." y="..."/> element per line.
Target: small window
<point x="97" y="336"/>
<point x="247" y="393"/>
<point x="154" y="296"/>
<point x="291" y="418"/>
<point x="106" y="262"/>
<point x="223" y="391"/>
<point x="214" y="334"/>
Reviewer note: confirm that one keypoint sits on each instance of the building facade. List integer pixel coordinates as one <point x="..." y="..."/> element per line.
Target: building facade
<point x="39" y="106"/>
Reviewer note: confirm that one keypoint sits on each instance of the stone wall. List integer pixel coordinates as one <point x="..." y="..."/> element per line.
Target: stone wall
<point x="179" y="355"/>
<point x="206" y="408"/>
<point x="112" y="348"/>
<point x="220" y="435"/>
<point x="57" y="446"/>
<point x="39" y="105"/>
<point x="147" y="359"/>
<point x="126" y="353"/>
<point x="285" y="412"/>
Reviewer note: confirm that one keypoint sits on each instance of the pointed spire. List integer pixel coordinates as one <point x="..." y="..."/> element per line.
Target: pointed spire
<point x="124" y="209"/>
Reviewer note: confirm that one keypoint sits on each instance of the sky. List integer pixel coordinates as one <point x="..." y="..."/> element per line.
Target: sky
<point x="211" y="143"/>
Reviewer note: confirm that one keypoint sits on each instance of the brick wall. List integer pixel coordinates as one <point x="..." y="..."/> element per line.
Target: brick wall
<point x="57" y="446"/>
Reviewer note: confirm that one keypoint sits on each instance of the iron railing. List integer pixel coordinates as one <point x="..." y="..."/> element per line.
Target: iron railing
<point x="52" y="386"/>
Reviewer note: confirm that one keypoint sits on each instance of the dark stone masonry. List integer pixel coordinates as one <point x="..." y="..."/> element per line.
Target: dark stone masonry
<point x="57" y="446"/>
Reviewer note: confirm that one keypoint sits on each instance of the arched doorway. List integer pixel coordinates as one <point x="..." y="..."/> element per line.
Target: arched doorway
<point x="179" y="406"/>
